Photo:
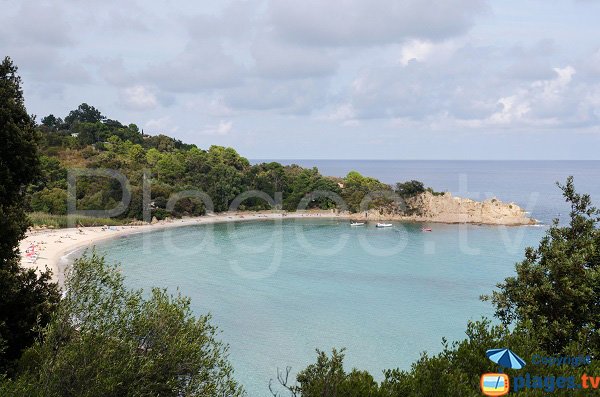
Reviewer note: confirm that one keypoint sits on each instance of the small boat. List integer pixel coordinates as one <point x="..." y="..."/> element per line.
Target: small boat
<point x="383" y="225"/>
<point x="357" y="224"/>
<point x="426" y="229"/>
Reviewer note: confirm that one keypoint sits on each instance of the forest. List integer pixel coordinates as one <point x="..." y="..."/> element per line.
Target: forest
<point x="86" y="139"/>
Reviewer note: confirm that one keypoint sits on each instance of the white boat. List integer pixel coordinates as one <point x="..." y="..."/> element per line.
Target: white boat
<point x="384" y="225"/>
<point x="357" y="224"/>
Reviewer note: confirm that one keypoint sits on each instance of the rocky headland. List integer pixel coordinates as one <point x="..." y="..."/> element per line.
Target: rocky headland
<point x="445" y="208"/>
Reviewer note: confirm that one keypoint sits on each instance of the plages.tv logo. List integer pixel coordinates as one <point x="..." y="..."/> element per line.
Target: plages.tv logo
<point x="498" y="384"/>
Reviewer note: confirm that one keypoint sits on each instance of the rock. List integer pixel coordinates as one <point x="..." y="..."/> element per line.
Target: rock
<point x="445" y="208"/>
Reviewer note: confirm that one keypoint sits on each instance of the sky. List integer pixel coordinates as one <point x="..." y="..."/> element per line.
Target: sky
<point x="314" y="79"/>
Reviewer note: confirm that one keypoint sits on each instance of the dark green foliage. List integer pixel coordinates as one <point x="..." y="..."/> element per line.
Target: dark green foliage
<point x="51" y="201"/>
<point x="410" y="188"/>
<point x="356" y="187"/>
<point x="301" y="182"/>
<point x="557" y="285"/>
<point x="88" y="139"/>
<point x="26" y="300"/>
<point x="51" y="122"/>
<point x="327" y="378"/>
<point x="84" y="114"/>
<point x="19" y="163"/>
<point x="105" y="340"/>
<point x="172" y="167"/>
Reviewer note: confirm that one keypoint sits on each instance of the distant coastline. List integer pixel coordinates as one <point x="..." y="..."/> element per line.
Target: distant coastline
<point x="51" y="245"/>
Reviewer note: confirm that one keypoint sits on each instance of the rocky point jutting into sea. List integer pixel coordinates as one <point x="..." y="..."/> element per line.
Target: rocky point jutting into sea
<point x="445" y="208"/>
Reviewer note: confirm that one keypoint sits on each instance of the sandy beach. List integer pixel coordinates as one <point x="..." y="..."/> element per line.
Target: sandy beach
<point x="43" y="248"/>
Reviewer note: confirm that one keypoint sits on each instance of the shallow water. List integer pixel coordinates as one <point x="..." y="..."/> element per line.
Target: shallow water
<point x="280" y="289"/>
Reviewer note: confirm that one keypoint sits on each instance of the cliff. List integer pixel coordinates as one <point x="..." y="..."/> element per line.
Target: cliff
<point x="445" y="208"/>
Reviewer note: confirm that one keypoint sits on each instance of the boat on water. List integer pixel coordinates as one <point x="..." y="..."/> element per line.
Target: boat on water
<point x="357" y="224"/>
<point x="384" y="225"/>
<point x="426" y="229"/>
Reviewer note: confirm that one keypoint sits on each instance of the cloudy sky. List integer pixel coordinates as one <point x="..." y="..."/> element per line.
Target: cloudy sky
<point x="394" y="79"/>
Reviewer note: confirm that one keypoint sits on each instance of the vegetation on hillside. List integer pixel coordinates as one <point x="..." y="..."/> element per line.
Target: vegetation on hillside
<point x="87" y="139"/>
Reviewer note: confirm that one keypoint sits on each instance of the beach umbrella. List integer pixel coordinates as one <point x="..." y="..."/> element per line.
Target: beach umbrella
<point x="505" y="358"/>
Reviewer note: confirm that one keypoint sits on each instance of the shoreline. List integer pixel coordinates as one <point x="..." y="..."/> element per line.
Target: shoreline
<point x="52" y="246"/>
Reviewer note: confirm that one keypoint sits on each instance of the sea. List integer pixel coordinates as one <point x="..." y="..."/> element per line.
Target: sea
<point x="280" y="289"/>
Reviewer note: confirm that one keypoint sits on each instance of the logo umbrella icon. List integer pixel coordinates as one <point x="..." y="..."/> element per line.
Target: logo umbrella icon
<point x="505" y="358"/>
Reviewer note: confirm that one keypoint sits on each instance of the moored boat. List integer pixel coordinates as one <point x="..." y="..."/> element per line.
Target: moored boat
<point x="357" y="224"/>
<point x="384" y="225"/>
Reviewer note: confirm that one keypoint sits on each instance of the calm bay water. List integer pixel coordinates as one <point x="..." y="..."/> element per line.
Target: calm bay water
<point x="280" y="289"/>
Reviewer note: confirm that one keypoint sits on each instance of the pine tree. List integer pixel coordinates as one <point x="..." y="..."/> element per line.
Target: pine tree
<point x="26" y="299"/>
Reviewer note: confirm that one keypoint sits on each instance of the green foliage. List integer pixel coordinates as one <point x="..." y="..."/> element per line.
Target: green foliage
<point x="557" y="285"/>
<point x="51" y="122"/>
<point x="43" y="219"/>
<point x="357" y="187"/>
<point x="410" y="188"/>
<point x="19" y="164"/>
<point x="301" y="182"/>
<point x="84" y="114"/>
<point x="52" y="201"/>
<point x="327" y="378"/>
<point x="173" y="167"/>
<point x="26" y="299"/>
<point x="105" y="340"/>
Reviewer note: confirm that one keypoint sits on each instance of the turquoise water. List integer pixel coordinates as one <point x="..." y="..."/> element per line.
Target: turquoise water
<point x="280" y="289"/>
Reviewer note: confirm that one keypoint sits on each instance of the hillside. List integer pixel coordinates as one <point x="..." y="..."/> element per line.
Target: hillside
<point x="87" y="139"/>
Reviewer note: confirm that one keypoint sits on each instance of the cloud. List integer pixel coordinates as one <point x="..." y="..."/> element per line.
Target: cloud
<point x="343" y="113"/>
<point x="203" y="65"/>
<point x="540" y="103"/>
<point x="312" y="67"/>
<point x="357" y="22"/>
<point x="113" y="71"/>
<point x="161" y="125"/>
<point x="41" y="24"/>
<point x="277" y="60"/>
<point x="138" y="97"/>
<point x="298" y="96"/>
<point x="213" y="107"/>
<point x="222" y="128"/>
<point x="416" y="50"/>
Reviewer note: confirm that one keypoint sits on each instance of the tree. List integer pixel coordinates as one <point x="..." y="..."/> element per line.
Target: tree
<point x="327" y="378"/>
<point x="26" y="300"/>
<point x="106" y="340"/>
<point x="557" y="286"/>
<point x="410" y="188"/>
<point x="89" y="133"/>
<point x="53" y="201"/>
<point x="84" y="114"/>
<point x="357" y="186"/>
<point x="51" y="122"/>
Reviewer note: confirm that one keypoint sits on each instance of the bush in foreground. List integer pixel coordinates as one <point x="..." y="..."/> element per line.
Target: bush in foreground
<point x="105" y="340"/>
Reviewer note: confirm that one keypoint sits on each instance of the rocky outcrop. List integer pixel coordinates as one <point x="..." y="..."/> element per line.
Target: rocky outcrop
<point x="445" y="208"/>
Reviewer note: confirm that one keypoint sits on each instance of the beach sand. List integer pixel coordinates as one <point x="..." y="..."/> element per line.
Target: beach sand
<point x="52" y="246"/>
